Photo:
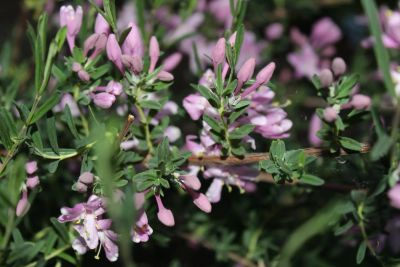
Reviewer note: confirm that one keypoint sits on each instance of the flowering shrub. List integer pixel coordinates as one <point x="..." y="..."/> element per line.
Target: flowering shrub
<point x="178" y="129"/>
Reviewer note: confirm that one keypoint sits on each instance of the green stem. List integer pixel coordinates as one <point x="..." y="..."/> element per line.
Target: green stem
<point x="144" y="121"/>
<point x="394" y="136"/>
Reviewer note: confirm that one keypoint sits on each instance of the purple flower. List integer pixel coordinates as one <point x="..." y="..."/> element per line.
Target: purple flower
<point x="67" y="100"/>
<point x="245" y="73"/>
<point x="73" y="21"/>
<point x="195" y="105"/>
<point x="87" y="217"/>
<point x="218" y="53"/>
<point x="172" y="61"/>
<point x="32" y="182"/>
<point x="330" y="114"/>
<point x="360" y="101"/>
<point x="305" y="61"/>
<point x="173" y="133"/>
<point x="391" y="26"/>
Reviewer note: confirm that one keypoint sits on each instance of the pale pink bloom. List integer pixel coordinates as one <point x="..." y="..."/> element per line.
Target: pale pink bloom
<point x="72" y="19"/>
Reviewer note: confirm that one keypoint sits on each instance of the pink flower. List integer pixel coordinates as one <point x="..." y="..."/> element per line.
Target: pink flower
<point x="73" y="21"/>
<point x="172" y="61"/>
<point x="325" y="32"/>
<point x="218" y="53"/>
<point x="305" y="62"/>
<point x="101" y="25"/>
<point x="23" y="204"/>
<point x="32" y="182"/>
<point x="245" y="73"/>
<point x="173" y="133"/>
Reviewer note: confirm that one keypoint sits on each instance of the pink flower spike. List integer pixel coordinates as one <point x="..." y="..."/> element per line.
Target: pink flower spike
<point x="164" y="215"/>
<point x="32" y="182"/>
<point x="31" y="167"/>
<point x="23" y="204"/>
<point x="101" y="25"/>
<point x="245" y="73"/>
<point x="154" y="52"/>
<point x="218" y="53"/>
<point x="114" y="52"/>
<point x="360" y="101"/>
<point x="265" y="74"/>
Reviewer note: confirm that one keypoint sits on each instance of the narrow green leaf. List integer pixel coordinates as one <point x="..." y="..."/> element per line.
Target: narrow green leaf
<point x="45" y="107"/>
<point x="381" y="54"/>
<point x="70" y="122"/>
<point x="350" y="143"/>
<point x="362" y="248"/>
<point x="52" y="134"/>
<point x="311" y="180"/>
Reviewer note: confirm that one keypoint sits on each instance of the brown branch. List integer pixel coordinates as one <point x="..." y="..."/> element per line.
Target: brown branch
<point x="257" y="157"/>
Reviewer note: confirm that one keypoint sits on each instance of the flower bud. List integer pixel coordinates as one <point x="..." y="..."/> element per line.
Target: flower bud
<point x="245" y="72"/>
<point x="135" y="64"/>
<point x="191" y="181"/>
<point x="127" y="145"/>
<point x="81" y="187"/>
<point x="164" y="215"/>
<point x="31" y="167"/>
<point x="330" y="114"/>
<point x="154" y="52"/>
<point x="202" y="202"/>
<point x="173" y="133"/>
<point x="101" y="25"/>
<point x="76" y="67"/>
<point x="172" y="61"/>
<point x="265" y="74"/>
<point x="274" y="31"/>
<point x="83" y="75"/>
<point x="232" y="39"/>
<point x="114" y="52"/>
<point x="360" y="101"/>
<point x="72" y="19"/>
<point x="165" y="76"/>
<point x="23" y="204"/>
<point x="133" y="44"/>
<point x="218" y="53"/>
<point x="32" y="182"/>
<point x="339" y="66"/>
<point x="86" y="178"/>
<point x="104" y="100"/>
<point x="114" y="88"/>
<point x="326" y="78"/>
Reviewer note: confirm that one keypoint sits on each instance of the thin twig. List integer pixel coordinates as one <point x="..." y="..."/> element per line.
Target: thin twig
<point x="257" y="157"/>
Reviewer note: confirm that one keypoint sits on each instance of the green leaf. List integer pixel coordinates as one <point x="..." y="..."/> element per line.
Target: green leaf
<point x="361" y="252"/>
<point x="346" y="85"/>
<point x="350" y="143"/>
<point x="381" y="147"/>
<point x="208" y="94"/>
<point x="311" y="180"/>
<point x="151" y="104"/>
<point x="212" y="123"/>
<point x="277" y="149"/>
<point x="381" y="54"/>
<point x="45" y="107"/>
<point x="60" y="229"/>
<point x="52" y="134"/>
<point x="70" y="122"/>
<point x="63" y="153"/>
<point x="241" y="132"/>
